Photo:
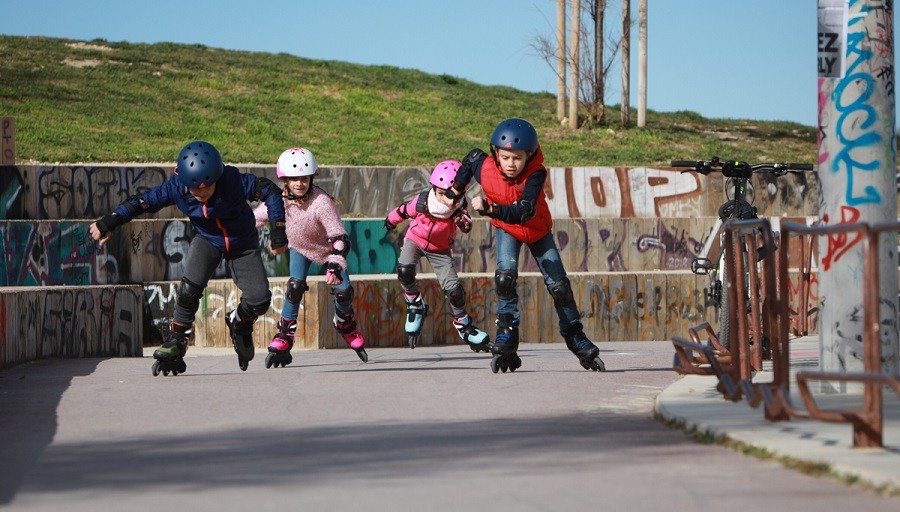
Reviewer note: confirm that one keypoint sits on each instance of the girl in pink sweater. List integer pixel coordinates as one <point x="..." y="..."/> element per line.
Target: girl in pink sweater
<point x="434" y="219"/>
<point x="315" y="234"/>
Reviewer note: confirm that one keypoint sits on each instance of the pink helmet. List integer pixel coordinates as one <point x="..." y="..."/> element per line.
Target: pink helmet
<point x="296" y="162"/>
<point x="444" y="173"/>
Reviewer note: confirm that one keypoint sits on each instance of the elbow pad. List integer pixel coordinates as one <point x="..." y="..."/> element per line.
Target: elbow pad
<point x="264" y="188"/>
<point x="340" y="245"/>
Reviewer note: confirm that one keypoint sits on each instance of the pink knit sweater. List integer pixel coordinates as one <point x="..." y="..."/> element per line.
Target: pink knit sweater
<point x="310" y="222"/>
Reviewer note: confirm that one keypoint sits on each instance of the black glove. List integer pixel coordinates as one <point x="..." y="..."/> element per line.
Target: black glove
<point x="388" y="225"/>
<point x="109" y="222"/>
<point x="277" y="235"/>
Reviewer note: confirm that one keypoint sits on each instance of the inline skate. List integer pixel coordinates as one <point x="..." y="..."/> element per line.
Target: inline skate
<point x="346" y="326"/>
<point x="241" y="332"/>
<point x="505" y="345"/>
<point x="281" y="345"/>
<point x="478" y="340"/>
<point x="588" y="354"/>
<point x="416" y="311"/>
<point x="170" y="355"/>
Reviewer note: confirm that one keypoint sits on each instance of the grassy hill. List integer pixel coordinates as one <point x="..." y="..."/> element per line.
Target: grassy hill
<point x="100" y="101"/>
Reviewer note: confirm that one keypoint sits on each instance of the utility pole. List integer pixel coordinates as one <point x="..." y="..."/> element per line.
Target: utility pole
<point x="626" y="60"/>
<point x="561" y="59"/>
<point x="858" y="173"/>
<point x="642" y="64"/>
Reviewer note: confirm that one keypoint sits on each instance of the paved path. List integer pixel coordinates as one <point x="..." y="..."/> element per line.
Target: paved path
<point x="430" y="428"/>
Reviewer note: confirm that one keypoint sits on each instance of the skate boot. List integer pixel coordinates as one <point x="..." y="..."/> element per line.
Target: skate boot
<point x="416" y="311"/>
<point x="478" y="340"/>
<point x="170" y="355"/>
<point x="241" y="332"/>
<point x="588" y="354"/>
<point x="346" y="325"/>
<point x="282" y="343"/>
<point x="505" y="345"/>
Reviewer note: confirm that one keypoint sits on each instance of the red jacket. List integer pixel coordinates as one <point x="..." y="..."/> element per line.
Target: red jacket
<point x="501" y="190"/>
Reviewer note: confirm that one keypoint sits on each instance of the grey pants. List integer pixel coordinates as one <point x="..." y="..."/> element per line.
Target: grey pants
<point x="441" y="262"/>
<point x="246" y="268"/>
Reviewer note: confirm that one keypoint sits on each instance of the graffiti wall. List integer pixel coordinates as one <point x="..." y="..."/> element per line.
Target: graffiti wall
<point x="91" y="321"/>
<point x="88" y="192"/>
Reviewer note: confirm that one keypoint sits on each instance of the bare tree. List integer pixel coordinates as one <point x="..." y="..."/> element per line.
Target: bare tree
<point x="626" y="60"/>
<point x="560" y="60"/>
<point x="574" y="59"/>
<point x="593" y="60"/>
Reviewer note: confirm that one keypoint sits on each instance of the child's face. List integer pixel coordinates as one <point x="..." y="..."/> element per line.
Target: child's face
<point x="297" y="186"/>
<point x="203" y="194"/>
<point x="442" y="197"/>
<point x="512" y="161"/>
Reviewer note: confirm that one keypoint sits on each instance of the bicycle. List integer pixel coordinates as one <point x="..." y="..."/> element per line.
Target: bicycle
<point x="739" y="206"/>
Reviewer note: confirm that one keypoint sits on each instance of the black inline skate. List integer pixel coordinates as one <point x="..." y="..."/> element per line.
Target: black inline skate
<point x="588" y="354"/>
<point x="241" y="332"/>
<point x="170" y="355"/>
<point x="505" y="345"/>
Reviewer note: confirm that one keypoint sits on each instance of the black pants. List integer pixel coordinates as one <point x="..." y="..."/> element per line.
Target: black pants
<point x="246" y="267"/>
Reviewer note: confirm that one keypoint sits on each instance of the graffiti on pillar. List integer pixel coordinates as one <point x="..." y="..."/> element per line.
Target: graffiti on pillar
<point x="839" y="244"/>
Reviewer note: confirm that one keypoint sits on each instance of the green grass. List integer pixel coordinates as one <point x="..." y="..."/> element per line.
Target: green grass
<point x="102" y="101"/>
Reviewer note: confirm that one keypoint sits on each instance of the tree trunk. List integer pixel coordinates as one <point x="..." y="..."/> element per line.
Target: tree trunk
<point x="561" y="60"/>
<point x="574" y="56"/>
<point x="642" y="64"/>
<point x="626" y="60"/>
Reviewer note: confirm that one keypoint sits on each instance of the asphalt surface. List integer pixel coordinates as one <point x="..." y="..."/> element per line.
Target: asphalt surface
<point x="430" y="428"/>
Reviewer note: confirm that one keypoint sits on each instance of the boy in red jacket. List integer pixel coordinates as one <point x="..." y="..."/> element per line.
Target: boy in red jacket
<point x="512" y="180"/>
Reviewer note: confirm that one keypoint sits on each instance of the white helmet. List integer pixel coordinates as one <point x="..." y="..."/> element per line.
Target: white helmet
<point x="296" y="162"/>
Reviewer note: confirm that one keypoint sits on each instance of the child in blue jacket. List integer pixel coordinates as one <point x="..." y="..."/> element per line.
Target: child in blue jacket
<point x="215" y="199"/>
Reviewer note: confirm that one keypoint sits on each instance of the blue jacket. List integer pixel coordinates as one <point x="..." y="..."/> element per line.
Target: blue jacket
<point x="226" y="219"/>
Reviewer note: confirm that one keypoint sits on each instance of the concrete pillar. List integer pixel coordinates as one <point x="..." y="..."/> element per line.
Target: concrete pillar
<point x="858" y="173"/>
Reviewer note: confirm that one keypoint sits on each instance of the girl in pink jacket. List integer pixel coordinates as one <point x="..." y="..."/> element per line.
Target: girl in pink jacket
<point x="315" y="235"/>
<point x="434" y="219"/>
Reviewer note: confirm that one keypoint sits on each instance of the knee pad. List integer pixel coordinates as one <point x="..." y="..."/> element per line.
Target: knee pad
<point x="344" y="297"/>
<point x="250" y="312"/>
<point x="561" y="291"/>
<point x="188" y="295"/>
<point x="457" y="297"/>
<point x="295" y="290"/>
<point x="505" y="281"/>
<point x="406" y="274"/>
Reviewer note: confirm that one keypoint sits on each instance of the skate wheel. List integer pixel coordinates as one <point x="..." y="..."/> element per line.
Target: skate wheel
<point x="155" y="368"/>
<point x="494" y="366"/>
<point x="284" y="363"/>
<point x="174" y="372"/>
<point x="269" y="359"/>
<point x="363" y="355"/>
<point x="598" y="365"/>
<point x="165" y="373"/>
<point x="412" y="339"/>
<point x="243" y="364"/>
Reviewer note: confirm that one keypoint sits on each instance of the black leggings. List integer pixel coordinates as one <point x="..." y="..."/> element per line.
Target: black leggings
<point x="246" y="267"/>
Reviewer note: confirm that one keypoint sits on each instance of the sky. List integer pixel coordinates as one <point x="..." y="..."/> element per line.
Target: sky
<point x="720" y="58"/>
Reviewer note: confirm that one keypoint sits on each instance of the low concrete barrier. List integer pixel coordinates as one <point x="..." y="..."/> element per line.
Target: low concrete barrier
<point x="91" y="321"/>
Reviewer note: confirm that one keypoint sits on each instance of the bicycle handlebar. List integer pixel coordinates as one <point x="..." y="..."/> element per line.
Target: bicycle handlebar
<point x="732" y="168"/>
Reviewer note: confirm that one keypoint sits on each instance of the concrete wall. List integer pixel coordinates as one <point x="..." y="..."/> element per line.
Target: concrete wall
<point x="627" y="237"/>
<point x="94" y="321"/>
<point x="87" y="192"/>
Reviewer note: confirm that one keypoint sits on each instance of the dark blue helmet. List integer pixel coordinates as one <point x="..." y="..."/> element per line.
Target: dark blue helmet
<point x="515" y="134"/>
<point x="199" y="165"/>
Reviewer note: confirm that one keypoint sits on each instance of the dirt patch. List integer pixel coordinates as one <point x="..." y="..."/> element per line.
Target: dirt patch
<point x="86" y="63"/>
<point x="86" y="46"/>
